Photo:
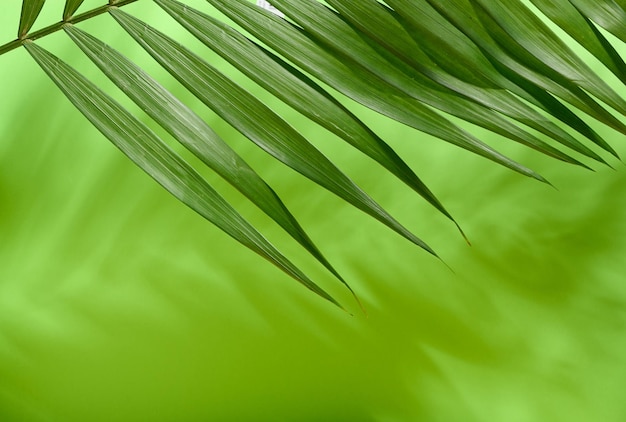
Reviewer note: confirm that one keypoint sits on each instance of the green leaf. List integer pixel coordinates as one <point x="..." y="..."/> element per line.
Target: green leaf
<point x="529" y="84"/>
<point x="150" y="153"/>
<point x="253" y="119"/>
<point x="525" y="29"/>
<point x="377" y="22"/>
<point x="336" y="34"/>
<point x="469" y="40"/>
<point x="566" y="88"/>
<point x="487" y="118"/>
<point x="30" y="12"/>
<point x="540" y="92"/>
<point x="569" y="18"/>
<point x="70" y="8"/>
<point x="608" y="14"/>
<point x="362" y="86"/>
<point x="447" y="45"/>
<point x="191" y="131"/>
<point x="295" y="89"/>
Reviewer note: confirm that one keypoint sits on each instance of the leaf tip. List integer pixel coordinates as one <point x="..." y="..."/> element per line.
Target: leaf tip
<point x="462" y="233"/>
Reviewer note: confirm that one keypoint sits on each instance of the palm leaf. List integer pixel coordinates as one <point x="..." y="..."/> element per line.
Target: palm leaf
<point x="71" y="6"/>
<point x="580" y="27"/>
<point x="191" y="131"/>
<point x="297" y="90"/>
<point x="144" y="147"/>
<point x="360" y="85"/>
<point x="388" y="32"/>
<point x="30" y="12"/>
<point x="471" y="38"/>
<point x="252" y="118"/>
<point x="608" y="14"/>
<point x="494" y="64"/>
<point x="329" y="29"/>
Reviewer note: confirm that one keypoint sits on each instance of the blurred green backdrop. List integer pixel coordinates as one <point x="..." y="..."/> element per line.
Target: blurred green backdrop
<point x="117" y="303"/>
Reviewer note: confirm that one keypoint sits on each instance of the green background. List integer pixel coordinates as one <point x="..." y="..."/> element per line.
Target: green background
<point x="117" y="303"/>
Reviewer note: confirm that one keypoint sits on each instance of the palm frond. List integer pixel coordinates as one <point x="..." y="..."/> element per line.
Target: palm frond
<point x="150" y="153"/>
<point x="193" y="133"/>
<point x="495" y="64"/>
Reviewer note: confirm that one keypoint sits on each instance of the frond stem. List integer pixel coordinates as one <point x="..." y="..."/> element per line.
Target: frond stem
<point x="57" y="26"/>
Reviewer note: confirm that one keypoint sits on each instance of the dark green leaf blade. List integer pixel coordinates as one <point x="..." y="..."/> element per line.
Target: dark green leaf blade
<point x="608" y="14"/>
<point x="551" y="80"/>
<point x="532" y="85"/>
<point x="363" y="87"/>
<point x="569" y="18"/>
<point x="379" y="23"/>
<point x="144" y="148"/>
<point x="70" y="8"/>
<point x="468" y="40"/>
<point x="255" y="120"/>
<point x="336" y="34"/>
<point x="191" y="131"/>
<point x="526" y="29"/>
<point x="448" y="46"/>
<point x="487" y="118"/>
<point x="30" y="11"/>
<point x="373" y="21"/>
<point x="295" y="89"/>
